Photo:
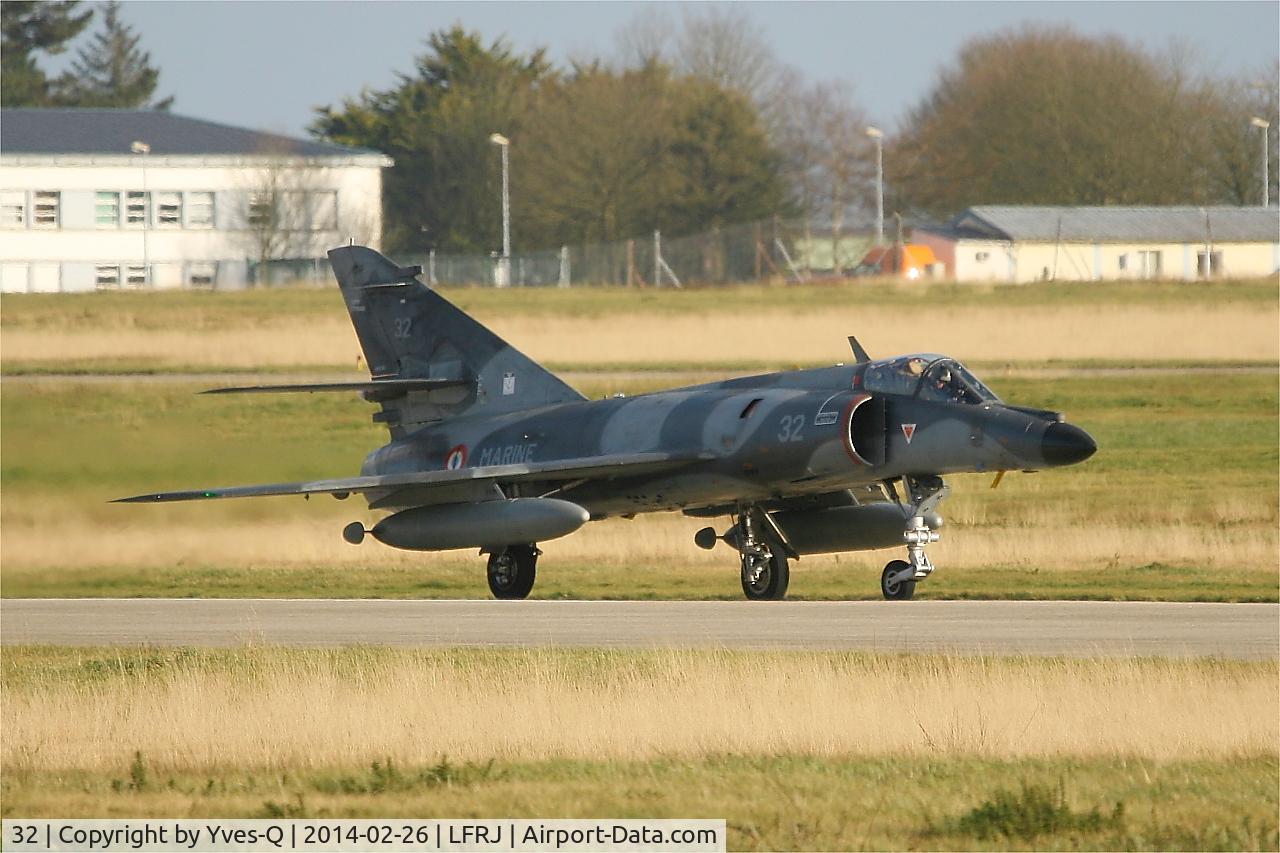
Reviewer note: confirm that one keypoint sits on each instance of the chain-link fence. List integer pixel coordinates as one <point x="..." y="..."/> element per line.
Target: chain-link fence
<point x="772" y="250"/>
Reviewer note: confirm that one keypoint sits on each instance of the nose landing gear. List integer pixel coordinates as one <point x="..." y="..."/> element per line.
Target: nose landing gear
<point x="899" y="578"/>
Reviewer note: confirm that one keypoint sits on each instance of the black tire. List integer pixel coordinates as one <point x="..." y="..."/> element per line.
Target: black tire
<point x="902" y="590"/>
<point x="512" y="571"/>
<point x="772" y="583"/>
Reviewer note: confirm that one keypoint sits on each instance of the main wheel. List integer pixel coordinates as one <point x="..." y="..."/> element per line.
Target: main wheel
<point x="512" y="571"/>
<point x="898" y="590"/>
<point x="765" y="580"/>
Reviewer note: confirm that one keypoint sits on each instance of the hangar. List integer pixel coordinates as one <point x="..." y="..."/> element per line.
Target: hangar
<point x="103" y="199"/>
<point x="1025" y="244"/>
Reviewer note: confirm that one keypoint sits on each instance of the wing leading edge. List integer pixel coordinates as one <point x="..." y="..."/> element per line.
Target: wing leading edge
<point x="584" y="468"/>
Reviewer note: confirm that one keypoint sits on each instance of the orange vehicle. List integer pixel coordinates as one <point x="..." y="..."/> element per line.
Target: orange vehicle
<point x="910" y="261"/>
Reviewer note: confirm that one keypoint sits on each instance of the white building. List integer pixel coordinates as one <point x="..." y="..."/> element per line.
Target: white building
<point x="104" y="199"/>
<point x="1023" y="244"/>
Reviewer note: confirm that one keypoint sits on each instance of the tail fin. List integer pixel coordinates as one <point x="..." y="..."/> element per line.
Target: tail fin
<point x="410" y="332"/>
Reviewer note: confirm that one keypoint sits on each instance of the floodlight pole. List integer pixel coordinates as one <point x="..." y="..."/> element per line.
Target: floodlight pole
<point x="502" y="142"/>
<point x="1263" y="125"/>
<point x="878" y="135"/>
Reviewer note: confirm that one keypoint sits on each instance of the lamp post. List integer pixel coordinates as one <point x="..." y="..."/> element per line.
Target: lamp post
<point x="1263" y="124"/>
<point x="138" y="147"/>
<point x="502" y="142"/>
<point x="878" y="135"/>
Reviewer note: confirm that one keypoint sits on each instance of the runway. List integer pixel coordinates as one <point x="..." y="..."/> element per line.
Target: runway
<point x="1070" y="628"/>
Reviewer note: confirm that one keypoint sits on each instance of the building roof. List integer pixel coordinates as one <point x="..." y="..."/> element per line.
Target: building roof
<point x="1117" y="224"/>
<point x="107" y="132"/>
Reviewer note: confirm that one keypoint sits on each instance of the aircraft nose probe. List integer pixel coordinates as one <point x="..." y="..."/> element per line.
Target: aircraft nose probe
<point x="1065" y="444"/>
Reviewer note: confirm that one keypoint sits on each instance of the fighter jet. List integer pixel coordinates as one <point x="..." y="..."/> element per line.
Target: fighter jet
<point x="488" y="450"/>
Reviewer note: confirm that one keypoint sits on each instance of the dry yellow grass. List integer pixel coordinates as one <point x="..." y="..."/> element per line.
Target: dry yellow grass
<point x="1025" y="333"/>
<point x="264" y="708"/>
<point x="58" y="537"/>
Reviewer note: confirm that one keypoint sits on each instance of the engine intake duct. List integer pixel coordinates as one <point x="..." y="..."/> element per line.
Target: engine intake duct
<point x="848" y="528"/>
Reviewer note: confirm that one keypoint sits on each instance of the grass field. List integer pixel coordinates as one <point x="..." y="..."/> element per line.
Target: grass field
<point x="1180" y="503"/>
<point x="837" y="751"/>
<point x="764" y="327"/>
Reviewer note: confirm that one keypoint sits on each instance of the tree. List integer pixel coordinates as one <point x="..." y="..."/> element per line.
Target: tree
<point x="1235" y="142"/>
<point x="444" y="191"/>
<point x="288" y="210"/>
<point x="30" y="28"/>
<point x="112" y="71"/>
<point x="591" y="163"/>
<point x="721" y="44"/>
<point x="608" y="155"/>
<point x="724" y="170"/>
<point x="1048" y="116"/>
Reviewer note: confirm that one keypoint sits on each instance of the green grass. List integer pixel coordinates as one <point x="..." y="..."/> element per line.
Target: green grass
<point x="1215" y="434"/>
<point x="794" y="803"/>
<point x="1195" y="453"/>
<point x="462" y="576"/>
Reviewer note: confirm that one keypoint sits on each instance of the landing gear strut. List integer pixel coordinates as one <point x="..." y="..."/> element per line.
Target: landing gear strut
<point x="898" y="580"/>
<point x="512" y="571"/>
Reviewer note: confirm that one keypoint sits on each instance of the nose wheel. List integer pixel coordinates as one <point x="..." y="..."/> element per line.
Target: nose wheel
<point x="892" y="584"/>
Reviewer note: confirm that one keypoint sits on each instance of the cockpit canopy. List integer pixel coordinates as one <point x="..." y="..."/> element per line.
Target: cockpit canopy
<point x="928" y="376"/>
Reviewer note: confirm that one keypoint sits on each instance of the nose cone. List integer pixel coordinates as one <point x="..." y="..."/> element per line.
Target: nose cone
<point x="1064" y="444"/>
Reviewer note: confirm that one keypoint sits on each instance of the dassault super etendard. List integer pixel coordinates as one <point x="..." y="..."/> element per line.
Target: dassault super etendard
<point x="491" y="451"/>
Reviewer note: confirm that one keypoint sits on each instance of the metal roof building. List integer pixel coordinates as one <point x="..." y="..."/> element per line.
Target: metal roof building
<point x="1019" y="244"/>
<point x="108" y="131"/>
<point x="108" y="199"/>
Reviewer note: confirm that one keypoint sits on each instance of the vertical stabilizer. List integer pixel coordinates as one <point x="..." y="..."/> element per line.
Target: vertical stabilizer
<point x="408" y="331"/>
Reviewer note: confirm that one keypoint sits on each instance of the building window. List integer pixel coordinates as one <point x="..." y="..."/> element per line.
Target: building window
<point x="106" y="210"/>
<point x="199" y="210"/>
<point x="168" y="210"/>
<point x="261" y="207"/>
<point x="135" y="276"/>
<point x="44" y="209"/>
<point x="107" y="276"/>
<point x="137" y="209"/>
<point x="202" y="275"/>
<point x="981" y="256"/>
<point x="13" y="209"/>
<point x="1122" y="263"/>
<point x="324" y="211"/>
<point x="1149" y="264"/>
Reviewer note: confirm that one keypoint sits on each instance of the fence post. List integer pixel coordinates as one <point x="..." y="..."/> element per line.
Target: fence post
<point x="631" y="263"/>
<point x="657" y="258"/>
<point x="564" y="266"/>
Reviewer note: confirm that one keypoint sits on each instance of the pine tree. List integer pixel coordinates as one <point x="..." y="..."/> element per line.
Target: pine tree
<point x="112" y="71"/>
<point x="29" y="28"/>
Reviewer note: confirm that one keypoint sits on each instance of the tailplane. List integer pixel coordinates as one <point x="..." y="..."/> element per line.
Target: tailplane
<point x="408" y="331"/>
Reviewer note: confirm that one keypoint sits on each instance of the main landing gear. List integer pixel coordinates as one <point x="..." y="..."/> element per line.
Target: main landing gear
<point x="899" y="578"/>
<point x="765" y="571"/>
<point x="512" y="571"/>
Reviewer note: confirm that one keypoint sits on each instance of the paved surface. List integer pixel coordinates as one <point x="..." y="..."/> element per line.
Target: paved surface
<point x="1000" y="627"/>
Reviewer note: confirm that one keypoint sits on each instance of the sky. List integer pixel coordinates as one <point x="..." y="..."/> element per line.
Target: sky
<point x="267" y="65"/>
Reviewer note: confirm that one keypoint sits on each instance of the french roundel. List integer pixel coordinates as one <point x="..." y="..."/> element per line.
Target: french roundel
<point x="456" y="458"/>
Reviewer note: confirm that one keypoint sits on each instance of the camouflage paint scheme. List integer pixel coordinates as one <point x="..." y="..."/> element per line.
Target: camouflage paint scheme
<point x="472" y="420"/>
